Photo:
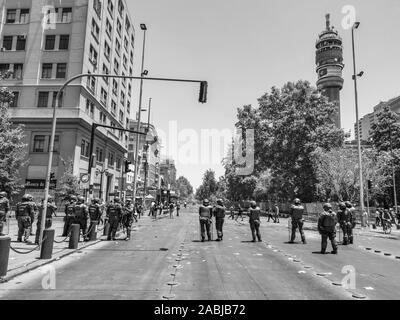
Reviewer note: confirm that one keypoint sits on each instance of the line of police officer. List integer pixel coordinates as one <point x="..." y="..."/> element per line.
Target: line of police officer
<point x="206" y="212"/>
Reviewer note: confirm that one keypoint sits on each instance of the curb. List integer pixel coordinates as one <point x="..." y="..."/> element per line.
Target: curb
<point x="25" y="269"/>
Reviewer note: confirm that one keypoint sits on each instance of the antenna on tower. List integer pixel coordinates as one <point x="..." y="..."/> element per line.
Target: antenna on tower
<point x="327" y="16"/>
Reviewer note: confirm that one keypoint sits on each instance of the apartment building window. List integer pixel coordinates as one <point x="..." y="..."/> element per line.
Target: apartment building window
<point x="123" y="80"/>
<point x="18" y="71"/>
<point x="50" y="42"/>
<point x="125" y="61"/>
<point x="121" y="117"/>
<point x="111" y="159"/>
<point x="61" y="71"/>
<point x="122" y="98"/>
<point x="130" y="71"/>
<point x="7" y="42"/>
<point x="128" y="107"/>
<point x="56" y="146"/>
<point x="127" y="127"/>
<point x="99" y="154"/>
<point x="119" y="164"/>
<point x="117" y="47"/>
<point x="105" y="71"/>
<point x="47" y="70"/>
<point x="11" y="16"/>
<point x="66" y="15"/>
<point x="120" y="8"/>
<point x="93" y="55"/>
<point x="53" y="103"/>
<point x="4" y="67"/>
<point x="126" y="44"/>
<point x="43" y="99"/>
<point x="14" y="102"/>
<point x="129" y="89"/>
<point x="21" y="43"/>
<point x="119" y="27"/>
<point x="24" y="16"/>
<point x="64" y="42"/>
<point x="89" y="108"/>
<point x="113" y="107"/>
<point x="103" y="117"/>
<point x="107" y="50"/>
<point x="92" y="83"/>
<point x="132" y="56"/>
<point x="116" y="66"/>
<point x="127" y="24"/>
<point x="115" y="87"/>
<point x="38" y="143"/>
<point x="108" y="28"/>
<point x="97" y="7"/>
<point x="110" y="7"/>
<point x="103" y="96"/>
<point x="95" y="30"/>
<point x="85" y="148"/>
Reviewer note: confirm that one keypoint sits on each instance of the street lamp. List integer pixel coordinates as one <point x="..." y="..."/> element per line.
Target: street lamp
<point x="354" y="77"/>
<point x="144" y="28"/>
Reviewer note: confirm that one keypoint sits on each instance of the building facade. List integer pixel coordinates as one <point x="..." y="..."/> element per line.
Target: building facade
<point x="44" y="46"/>
<point x="329" y="61"/>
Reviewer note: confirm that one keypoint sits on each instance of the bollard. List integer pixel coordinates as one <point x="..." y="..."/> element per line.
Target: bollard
<point x="4" y="254"/>
<point x="74" y="237"/>
<point x="46" y="249"/>
<point x="106" y="229"/>
<point x="374" y="226"/>
<point x="93" y="231"/>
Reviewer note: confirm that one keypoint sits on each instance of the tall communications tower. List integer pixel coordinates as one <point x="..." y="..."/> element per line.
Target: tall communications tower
<point x="329" y="61"/>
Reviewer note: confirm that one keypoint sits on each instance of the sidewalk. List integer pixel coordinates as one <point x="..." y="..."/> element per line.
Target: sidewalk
<point x="20" y="263"/>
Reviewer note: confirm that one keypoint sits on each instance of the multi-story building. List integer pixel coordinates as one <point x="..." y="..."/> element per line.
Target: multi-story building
<point x="329" y="61"/>
<point x="168" y="172"/>
<point x="46" y="45"/>
<point x="148" y="158"/>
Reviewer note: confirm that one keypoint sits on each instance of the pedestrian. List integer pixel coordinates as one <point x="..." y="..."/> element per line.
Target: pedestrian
<point x="178" y="207"/>
<point x="51" y="210"/>
<point x="114" y="215"/>
<point x="95" y="210"/>
<point x="276" y="213"/>
<point x="35" y="212"/>
<point x="254" y="220"/>
<point x="345" y="221"/>
<point x="127" y="217"/>
<point x="240" y="212"/>
<point x="4" y="209"/>
<point x="296" y="213"/>
<point x="327" y="228"/>
<point x="171" y="209"/>
<point x="205" y="216"/>
<point x="82" y="217"/>
<point x="69" y="218"/>
<point x="23" y="214"/>
<point x="232" y="212"/>
<point x="219" y="213"/>
<point x="185" y="204"/>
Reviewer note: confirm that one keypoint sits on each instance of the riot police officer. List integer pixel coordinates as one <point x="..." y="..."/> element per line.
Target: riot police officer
<point x="51" y="210"/>
<point x="254" y="220"/>
<point x="82" y="217"/>
<point x="219" y="213"/>
<point x="205" y="216"/>
<point x="23" y="213"/>
<point x="296" y="212"/>
<point x="352" y="210"/>
<point x="345" y="219"/>
<point x="69" y="218"/>
<point x="114" y="215"/>
<point x="127" y="217"/>
<point x="4" y="209"/>
<point x="171" y="210"/>
<point x="327" y="228"/>
<point x="34" y="213"/>
<point x="95" y="210"/>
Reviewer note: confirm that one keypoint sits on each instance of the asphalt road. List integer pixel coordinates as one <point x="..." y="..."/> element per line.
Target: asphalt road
<point x="165" y="260"/>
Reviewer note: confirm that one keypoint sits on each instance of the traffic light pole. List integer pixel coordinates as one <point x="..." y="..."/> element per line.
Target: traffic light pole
<point x="202" y="99"/>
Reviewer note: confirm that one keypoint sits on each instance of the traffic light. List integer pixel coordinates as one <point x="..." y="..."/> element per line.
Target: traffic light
<point x="127" y="164"/>
<point x="203" y="92"/>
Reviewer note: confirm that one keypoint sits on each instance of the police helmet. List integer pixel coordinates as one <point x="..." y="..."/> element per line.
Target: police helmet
<point x="253" y="204"/>
<point x="297" y="201"/>
<point x="220" y="202"/>
<point x="29" y="197"/>
<point x="3" y="194"/>
<point x="327" y="206"/>
<point x="348" y="204"/>
<point x="342" y="205"/>
<point x="128" y="200"/>
<point x="25" y="197"/>
<point x="72" y="198"/>
<point x="116" y="199"/>
<point x="206" y="202"/>
<point x="50" y="198"/>
<point x="81" y="199"/>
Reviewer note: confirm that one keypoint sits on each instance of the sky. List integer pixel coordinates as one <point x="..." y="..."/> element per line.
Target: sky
<point x="243" y="48"/>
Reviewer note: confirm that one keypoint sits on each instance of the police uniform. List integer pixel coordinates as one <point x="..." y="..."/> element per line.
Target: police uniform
<point x="178" y="207"/>
<point x="95" y="212"/>
<point x="296" y="212"/>
<point x="69" y="217"/>
<point x="327" y="228"/>
<point x="23" y="213"/>
<point x="205" y="215"/>
<point x="127" y="219"/>
<point x="345" y="219"/>
<point x="254" y="220"/>
<point x="114" y="215"/>
<point x="51" y="209"/>
<point x="35" y="213"/>
<point x="82" y="218"/>
<point x="219" y="213"/>
<point x="4" y="209"/>
<point x="171" y="209"/>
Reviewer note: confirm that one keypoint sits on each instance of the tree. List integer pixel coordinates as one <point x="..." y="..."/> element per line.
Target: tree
<point x="12" y="148"/>
<point x="208" y="188"/>
<point x="385" y="131"/>
<point x="69" y="183"/>
<point x="184" y="187"/>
